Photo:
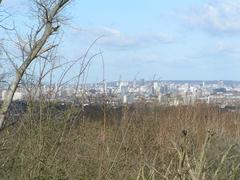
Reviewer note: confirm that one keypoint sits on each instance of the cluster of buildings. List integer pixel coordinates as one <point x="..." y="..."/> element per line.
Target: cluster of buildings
<point x="172" y="93"/>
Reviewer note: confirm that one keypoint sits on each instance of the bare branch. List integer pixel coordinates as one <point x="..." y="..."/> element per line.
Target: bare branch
<point x="50" y="25"/>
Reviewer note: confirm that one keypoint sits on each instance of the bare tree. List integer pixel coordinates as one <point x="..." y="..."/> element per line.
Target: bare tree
<point x="48" y="17"/>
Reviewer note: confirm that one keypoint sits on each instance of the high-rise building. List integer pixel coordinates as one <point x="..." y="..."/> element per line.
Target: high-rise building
<point x="220" y="84"/>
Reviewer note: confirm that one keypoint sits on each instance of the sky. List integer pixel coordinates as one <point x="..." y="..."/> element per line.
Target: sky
<point x="161" y="39"/>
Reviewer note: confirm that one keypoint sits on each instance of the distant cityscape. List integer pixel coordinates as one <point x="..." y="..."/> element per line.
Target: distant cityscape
<point x="169" y="93"/>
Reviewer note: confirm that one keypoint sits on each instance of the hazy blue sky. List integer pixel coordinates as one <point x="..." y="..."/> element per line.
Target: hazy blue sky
<point x="173" y="39"/>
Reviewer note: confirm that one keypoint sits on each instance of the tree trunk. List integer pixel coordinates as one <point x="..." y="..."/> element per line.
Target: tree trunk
<point x="8" y="99"/>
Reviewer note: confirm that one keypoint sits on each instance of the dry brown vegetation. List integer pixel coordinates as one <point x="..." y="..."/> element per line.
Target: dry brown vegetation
<point x="139" y="142"/>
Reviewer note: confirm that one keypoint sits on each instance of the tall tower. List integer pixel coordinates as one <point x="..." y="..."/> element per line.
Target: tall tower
<point x="221" y="84"/>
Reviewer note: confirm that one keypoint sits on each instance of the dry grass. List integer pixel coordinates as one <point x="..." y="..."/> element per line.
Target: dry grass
<point x="141" y="142"/>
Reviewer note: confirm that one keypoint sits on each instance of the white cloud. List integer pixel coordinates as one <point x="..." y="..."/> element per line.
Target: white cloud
<point x="115" y="38"/>
<point x="158" y="58"/>
<point x="216" y="16"/>
<point x="227" y="48"/>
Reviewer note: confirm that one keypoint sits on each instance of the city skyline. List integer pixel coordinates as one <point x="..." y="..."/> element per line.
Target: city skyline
<point x="187" y="40"/>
